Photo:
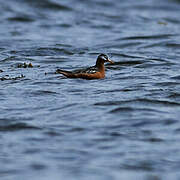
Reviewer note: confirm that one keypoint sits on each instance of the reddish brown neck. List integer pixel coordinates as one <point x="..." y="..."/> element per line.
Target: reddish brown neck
<point x="100" y="63"/>
<point x="100" y="66"/>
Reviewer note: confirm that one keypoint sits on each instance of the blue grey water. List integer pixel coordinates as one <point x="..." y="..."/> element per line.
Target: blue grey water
<point x="125" y="126"/>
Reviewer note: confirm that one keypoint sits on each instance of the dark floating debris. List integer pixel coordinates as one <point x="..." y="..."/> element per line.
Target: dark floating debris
<point x="6" y="77"/>
<point x="1" y="70"/>
<point x="25" y="65"/>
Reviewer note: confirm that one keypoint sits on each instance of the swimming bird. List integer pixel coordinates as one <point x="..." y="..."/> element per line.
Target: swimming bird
<point x="94" y="72"/>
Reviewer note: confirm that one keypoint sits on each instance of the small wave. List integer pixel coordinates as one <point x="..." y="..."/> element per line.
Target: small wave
<point x="131" y="109"/>
<point x="174" y="95"/>
<point x="126" y="55"/>
<point x="42" y="51"/>
<point x="48" y="5"/>
<point x="176" y="77"/>
<point x="158" y="36"/>
<point x="55" y="51"/>
<point x="128" y="63"/>
<point x="167" y="84"/>
<point x="41" y="93"/>
<point x="146" y="102"/>
<point x="142" y="165"/>
<point x="122" y="109"/>
<point x="173" y="45"/>
<point x="17" y="127"/>
<point x="21" y="18"/>
<point x="151" y="65"/>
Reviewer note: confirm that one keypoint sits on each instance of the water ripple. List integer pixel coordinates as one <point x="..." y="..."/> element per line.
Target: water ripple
<point x="21" y="18"/>
<point x="125" y="126"/>
<point x="148" y="102"/>
<point x="17" y="127"/>
<point x="47" y="4"/>
<point x="158" y="36"/>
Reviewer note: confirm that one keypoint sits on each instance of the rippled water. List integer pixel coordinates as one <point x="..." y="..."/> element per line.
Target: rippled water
<point x="125" y="126"/>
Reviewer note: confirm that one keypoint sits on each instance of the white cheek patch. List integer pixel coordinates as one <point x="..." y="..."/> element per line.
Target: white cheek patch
<point x="102" y="57"/>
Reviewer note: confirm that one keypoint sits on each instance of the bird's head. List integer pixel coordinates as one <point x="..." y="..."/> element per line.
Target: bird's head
<point x="102" y="58"/>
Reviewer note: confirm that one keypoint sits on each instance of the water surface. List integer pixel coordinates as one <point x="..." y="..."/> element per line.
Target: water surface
<point x="125" y="126"/>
